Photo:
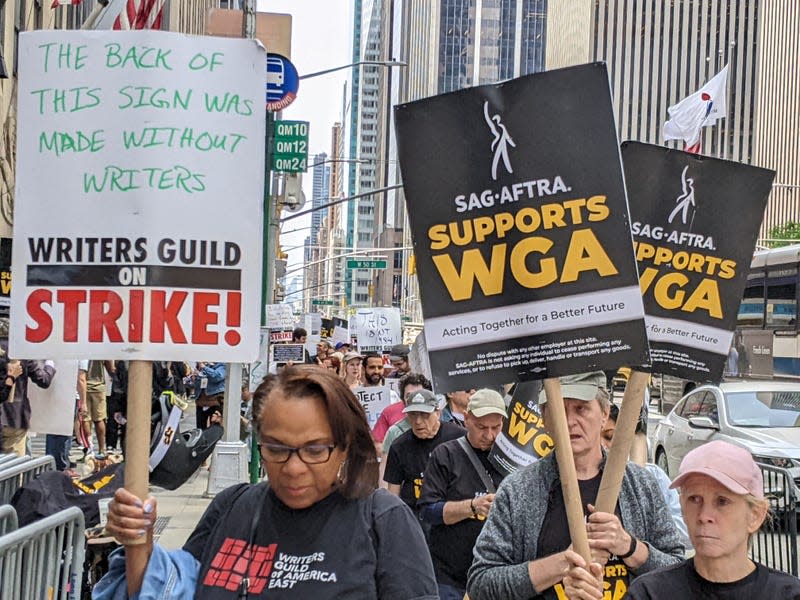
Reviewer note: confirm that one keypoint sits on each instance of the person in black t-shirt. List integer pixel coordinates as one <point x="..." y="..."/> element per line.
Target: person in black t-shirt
<point x="318" y="529"/>
<point x="722" y="498"/>
<point x="408" y="455"/>
<point x="458" y="492"/>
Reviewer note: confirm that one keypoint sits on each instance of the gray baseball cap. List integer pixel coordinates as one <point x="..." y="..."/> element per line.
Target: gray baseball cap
<point x="422" y="401"/>
<point x="582" y="386"/>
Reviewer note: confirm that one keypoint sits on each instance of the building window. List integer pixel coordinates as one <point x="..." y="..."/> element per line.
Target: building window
<point x="362" y="298"/>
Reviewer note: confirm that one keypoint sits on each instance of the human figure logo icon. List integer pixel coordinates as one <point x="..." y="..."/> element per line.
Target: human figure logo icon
<point x="502" y="140"/>
<point x="685" y="200"/>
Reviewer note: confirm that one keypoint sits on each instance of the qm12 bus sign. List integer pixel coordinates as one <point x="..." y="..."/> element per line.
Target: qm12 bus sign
<point x="290" y="152"/>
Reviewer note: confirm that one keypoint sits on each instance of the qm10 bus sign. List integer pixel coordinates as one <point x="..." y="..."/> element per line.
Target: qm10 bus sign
<point x="290" y="150"/>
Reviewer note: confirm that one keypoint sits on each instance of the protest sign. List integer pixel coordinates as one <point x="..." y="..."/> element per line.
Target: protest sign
<point x="374" y="400"/>
<point x="279" y="316"/>
<point x="53" y="408"/>
<point x="377" y="329"/>
<point x="341" y="333"/>
<point x="523" y="439"/>
<point x="280" y="337"/>
<point x="259" y="368"/>
<point x="519" y="220"/>
<point x="326" y="329"/>
<point x="418" y="356"/>
<point x="695" y="221"/>
<point x="282" y="353"/>
<point x="5" y="276"/>
<point x="393" y="384"/>
<point x="129" y="247"/>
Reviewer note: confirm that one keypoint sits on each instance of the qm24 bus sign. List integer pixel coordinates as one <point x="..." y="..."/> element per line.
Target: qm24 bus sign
<point x="290" y="152"/>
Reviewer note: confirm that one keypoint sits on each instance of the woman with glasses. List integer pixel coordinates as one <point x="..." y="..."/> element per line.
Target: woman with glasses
<point x="318" y="529"/>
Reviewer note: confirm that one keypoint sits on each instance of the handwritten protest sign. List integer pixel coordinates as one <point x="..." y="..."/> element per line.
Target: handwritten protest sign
<point x="374" y="400"/>
<point x="279" y="316"/>
<point x="377" y="329"/>
<point x="693" y="262"/>
<point x="131" y="146"/>
<point x="519" y="220"/>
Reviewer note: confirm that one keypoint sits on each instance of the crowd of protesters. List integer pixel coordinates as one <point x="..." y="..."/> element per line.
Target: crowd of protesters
<point x="429" y="513"/>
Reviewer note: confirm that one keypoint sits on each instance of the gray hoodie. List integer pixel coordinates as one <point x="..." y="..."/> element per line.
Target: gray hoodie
<point x="509" y="538"/>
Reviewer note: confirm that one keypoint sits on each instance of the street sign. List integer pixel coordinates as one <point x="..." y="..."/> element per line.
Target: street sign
<point x="366" y="263"/>
<point x="290" y="152"/>
<point x="282" y="82"/>
<point x="323" y="302"/>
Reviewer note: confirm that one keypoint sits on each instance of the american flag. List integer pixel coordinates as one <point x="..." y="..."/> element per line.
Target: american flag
<point x="140" y="14"/>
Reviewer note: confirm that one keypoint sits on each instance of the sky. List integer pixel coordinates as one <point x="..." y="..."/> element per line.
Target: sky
<point x="321" y="39"/>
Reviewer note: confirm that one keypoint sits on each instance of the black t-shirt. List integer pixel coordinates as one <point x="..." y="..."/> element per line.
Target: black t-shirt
<point x="408" y="457"/>
<point x="683" y="582"/>
<point x="451" y="476"/>
<point x="338" y="548"/>
<point x="554" y="537"/>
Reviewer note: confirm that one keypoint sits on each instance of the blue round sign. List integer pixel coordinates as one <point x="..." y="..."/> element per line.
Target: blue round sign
<point x="282" y="82"/>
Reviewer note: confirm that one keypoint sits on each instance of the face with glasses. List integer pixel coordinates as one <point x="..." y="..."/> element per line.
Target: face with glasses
<point x="297" y="448"/>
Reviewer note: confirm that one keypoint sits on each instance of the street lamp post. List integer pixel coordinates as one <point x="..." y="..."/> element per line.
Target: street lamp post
<point x="377" y="63"/>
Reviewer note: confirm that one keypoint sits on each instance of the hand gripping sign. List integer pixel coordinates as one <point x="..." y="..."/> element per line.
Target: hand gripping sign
<point x="519" y="220"/>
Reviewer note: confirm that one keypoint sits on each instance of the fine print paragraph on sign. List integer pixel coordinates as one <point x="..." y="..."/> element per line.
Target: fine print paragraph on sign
<point x="145" y="136"/>
<point x="539" y="353"/>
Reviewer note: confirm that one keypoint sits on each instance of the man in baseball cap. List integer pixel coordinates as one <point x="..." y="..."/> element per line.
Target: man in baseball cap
<point x="409" y="453"/>
<point x="398" y="356"/>
<point x="458" y="491"/>
<point x="539" y="555"/>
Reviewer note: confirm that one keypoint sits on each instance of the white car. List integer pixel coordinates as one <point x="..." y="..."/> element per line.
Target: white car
<point x="761" y="416"/>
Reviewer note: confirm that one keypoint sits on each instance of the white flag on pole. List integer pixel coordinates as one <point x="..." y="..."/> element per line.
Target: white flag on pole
<point x="698" y="110"/>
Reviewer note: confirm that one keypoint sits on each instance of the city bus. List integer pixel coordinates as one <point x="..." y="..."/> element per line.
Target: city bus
<point x="767" y="339"/>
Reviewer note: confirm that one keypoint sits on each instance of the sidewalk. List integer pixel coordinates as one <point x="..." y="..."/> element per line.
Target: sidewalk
<point x="180" y="510"/>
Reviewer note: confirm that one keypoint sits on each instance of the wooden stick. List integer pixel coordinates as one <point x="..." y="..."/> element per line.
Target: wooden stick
<point x="137" y="457"/>
<point x="557" y="419"/>
<point x="624" y="433"/>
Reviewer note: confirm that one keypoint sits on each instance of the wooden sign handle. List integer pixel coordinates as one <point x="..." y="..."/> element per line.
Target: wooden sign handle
<point x="624" y="433"/>
<point x="137" y="458"/>
<point x="557" y="419"/>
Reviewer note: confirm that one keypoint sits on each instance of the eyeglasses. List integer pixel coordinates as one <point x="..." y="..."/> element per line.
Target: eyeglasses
<point x="313" y="454"/>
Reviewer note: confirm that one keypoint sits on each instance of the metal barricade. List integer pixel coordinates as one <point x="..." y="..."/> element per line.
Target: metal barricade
<point x="5" y="458"/>
<point x="775" y="545"/>
<point x="44" y="560"/>
<point x="13" y="478"/>
<point x="8" y="519"/>
<point x="13" y="461"/>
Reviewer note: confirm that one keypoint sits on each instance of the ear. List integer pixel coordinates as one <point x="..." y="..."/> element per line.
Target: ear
<point x="758" y="512"/>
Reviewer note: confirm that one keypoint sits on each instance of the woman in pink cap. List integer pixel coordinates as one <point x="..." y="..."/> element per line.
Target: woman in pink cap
<point x="723" y="504"/>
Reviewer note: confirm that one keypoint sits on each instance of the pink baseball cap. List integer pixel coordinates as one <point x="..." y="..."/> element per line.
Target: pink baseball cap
<point x="730" y="465"/>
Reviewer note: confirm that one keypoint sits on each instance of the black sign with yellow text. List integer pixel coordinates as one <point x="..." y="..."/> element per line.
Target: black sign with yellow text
<point x="524" y="438"/>
<point x="695" y="221"/>
<point x="520" y="227"/>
